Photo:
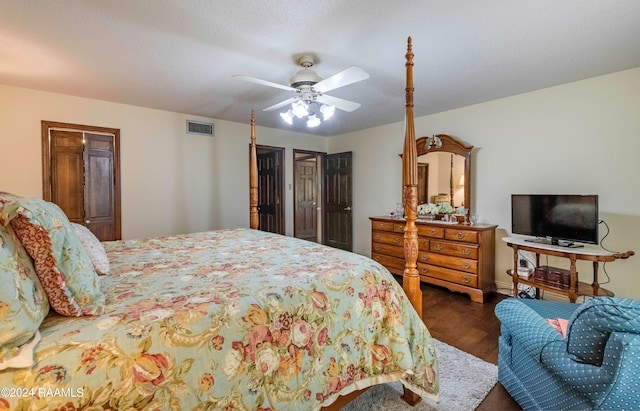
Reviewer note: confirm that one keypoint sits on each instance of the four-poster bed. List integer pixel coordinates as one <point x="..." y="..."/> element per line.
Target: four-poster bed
<point x="224" y="319"/>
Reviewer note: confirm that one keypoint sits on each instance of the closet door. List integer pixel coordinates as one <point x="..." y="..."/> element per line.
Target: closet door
<point x="67" y="173"/>
<point x="99" y="200"/>
<point x="81" y="175"/>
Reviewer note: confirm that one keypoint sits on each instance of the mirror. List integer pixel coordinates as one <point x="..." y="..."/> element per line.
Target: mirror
<point x="444" y="171"/>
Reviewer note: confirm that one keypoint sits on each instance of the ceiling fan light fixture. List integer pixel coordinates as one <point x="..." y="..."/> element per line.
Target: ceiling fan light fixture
<point x="313" y="121"/>
<point x="287" y="117"/>
<point x="311" y="103"/>
<point x="300" y="108"/>
<point x="327" y="111"/>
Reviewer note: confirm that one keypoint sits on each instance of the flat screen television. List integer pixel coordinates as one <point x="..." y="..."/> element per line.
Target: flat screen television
<point x="559" y="219"/>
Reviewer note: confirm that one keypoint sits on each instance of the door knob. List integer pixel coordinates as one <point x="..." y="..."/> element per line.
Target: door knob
<point x="347" y="209"/>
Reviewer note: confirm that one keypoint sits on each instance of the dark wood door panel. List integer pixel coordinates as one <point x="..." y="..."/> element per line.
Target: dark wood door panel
<point x="270" y="191"/>
<point x="423" y="183"/>
<point x="67" y="170"/>
<point x="99" y="187"/>
<point x="338" y="221"/>
<point x="266" y="187"/>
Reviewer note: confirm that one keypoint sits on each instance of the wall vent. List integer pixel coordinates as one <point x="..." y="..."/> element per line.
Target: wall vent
<point x="200" y="128"/>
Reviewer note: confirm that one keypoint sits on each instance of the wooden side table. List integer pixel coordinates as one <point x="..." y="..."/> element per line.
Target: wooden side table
<point x="557" y="279"/>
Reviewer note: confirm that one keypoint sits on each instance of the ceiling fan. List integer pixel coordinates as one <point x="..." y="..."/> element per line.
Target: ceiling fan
<point x="311" y="88"/>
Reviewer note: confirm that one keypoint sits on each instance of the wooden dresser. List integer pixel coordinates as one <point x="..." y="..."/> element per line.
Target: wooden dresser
<point x="459" y="257"/>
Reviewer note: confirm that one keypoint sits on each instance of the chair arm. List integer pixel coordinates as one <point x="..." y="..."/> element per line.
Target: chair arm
<point x="525" y="325"/>
<point x="618" y="374"/>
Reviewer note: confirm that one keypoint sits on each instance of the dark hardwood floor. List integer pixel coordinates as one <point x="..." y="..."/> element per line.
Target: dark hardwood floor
<point x="471" y="327"/>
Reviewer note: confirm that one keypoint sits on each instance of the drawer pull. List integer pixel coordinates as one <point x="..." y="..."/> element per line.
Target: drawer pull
<point x="377" y="258"/>
<point x="466" y="251"/>
<point x="377" y="237"/>
<point x="434" y="232"/>
<point x="377" y="248"/>
<point x="437" y="247"/>
<point x="424" y="271"/>
<point x="424" y="257"/>
<point x="466" y="280"/>
<point x="466" y="266"/>
<point x="460" y="236"/>
<point x="396" y="240"/>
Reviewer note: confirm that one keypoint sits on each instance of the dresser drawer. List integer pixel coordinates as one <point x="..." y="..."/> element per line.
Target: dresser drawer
<point x="456" y="249"/>
<point x="447" y="274"/>
<point x="387" y="238"/>
<point x="461" y="235"/>
<point x="388" y="249"/>
<point x="382" y="225"/>
<point x="441" y="260"/>
<point x="423" y="243"/>
<point x="430" y="231"/>
<point x="388" y="261"/>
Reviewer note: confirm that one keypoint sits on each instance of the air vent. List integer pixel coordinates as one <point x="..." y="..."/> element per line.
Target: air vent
<point x="200" y="128"/>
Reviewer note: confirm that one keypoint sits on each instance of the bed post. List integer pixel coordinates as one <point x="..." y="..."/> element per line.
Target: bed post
<point x="254" y="222"/>
<point x="410" y="277"/>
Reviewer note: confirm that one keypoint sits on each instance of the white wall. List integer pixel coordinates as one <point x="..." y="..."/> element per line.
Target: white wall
<point x="233" y="169"/>
<point x="172" y="182"/>
<point x="582" y="137"/>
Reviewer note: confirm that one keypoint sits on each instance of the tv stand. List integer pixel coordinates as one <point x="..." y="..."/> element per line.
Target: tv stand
<point x="559" y="280"/>
<point x="554" y="241"/>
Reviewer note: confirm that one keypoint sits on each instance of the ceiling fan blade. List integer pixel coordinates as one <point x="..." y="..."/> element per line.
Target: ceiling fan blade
<point x="342" y="104"/>
<point x="264" y="82"/>
<point x="281" y="104"/>
<point x="349" y="76"/>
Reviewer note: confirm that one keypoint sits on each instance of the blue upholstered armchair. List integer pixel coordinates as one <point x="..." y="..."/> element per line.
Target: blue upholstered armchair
<point x="597" y="366"/>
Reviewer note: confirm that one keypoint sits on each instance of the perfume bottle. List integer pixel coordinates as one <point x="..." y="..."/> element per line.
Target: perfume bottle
<point x="399" y="211"/>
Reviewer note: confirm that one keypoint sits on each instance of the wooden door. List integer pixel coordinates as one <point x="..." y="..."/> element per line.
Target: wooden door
<point x="306" y="198"/>
<point x="423" y="183"/>
<point x="99" y="206"/>
<point x="270" y="189"/>
<point x="81" y="175"/>
<point x="67" y="173"/>
<point x="338" y="218"/>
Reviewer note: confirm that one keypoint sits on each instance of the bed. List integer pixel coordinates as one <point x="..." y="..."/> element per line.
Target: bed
<point x="225" y="319"/>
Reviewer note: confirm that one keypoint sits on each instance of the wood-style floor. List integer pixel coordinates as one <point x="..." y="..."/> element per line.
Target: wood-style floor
<point x="471" y="327"/>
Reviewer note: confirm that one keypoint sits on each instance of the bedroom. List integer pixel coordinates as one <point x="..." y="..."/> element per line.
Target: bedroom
<point x="584" y="131"/>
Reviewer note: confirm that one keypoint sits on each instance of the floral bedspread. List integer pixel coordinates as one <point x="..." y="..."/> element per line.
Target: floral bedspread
<point x="229" y="319"/>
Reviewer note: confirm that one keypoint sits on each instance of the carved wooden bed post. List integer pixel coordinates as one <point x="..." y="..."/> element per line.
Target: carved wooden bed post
<point x="253" y="177"/>
<point x="410" y="279"/>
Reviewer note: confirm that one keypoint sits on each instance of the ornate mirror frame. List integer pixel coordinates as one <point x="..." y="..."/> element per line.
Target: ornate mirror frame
<point x="452" y="145"/>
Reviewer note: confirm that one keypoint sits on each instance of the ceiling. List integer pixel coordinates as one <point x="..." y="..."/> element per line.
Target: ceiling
<point x="180" y="55"/>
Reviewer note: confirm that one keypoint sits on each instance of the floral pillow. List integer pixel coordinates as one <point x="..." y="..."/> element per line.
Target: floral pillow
<point x="62" y="265"/>
<point x="93" y="247"/>
<point x="23" y="302"/>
